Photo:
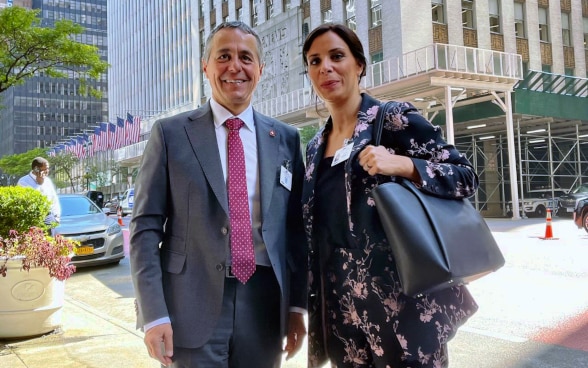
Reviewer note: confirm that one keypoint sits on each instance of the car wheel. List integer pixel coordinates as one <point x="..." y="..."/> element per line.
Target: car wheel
<point x="540" y="211"/>
<point x="585" y="221"/>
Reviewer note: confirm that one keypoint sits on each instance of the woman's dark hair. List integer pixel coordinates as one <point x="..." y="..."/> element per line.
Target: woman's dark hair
<point x="346" y="34"/>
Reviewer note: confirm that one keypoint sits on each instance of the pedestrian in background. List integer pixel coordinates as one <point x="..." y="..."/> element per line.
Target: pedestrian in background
<point x="358" y="315"/>
<point x="218" y="252"/>
<point x="39" y="179"/>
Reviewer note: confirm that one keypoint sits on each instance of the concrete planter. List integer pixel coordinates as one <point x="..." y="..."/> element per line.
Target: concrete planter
<point x="30" y="302"/>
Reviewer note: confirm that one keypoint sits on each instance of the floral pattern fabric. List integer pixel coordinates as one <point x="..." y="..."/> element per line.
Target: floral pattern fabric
<point x="357" y="310"/>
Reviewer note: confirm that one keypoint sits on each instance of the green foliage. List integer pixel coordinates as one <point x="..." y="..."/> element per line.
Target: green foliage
<point x="306" y="133"/>
<point x="20" y="164"/>
<point x="22" y="208"/>
<point x="64" y="163"/>
<point x="27" y="49"/>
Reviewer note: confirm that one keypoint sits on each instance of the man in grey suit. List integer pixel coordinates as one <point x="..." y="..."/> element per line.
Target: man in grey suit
<point x="194" y="312"/>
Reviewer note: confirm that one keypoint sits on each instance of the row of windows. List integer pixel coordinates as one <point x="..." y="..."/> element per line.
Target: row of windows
<point x="469" y="20"/>
<point x="82" y="19"/>
<point x="77" y="5"/>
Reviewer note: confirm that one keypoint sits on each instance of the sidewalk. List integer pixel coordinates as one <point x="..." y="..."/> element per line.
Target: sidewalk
<point x="87" y="338"/>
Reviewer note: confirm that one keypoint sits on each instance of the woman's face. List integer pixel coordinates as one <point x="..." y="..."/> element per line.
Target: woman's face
<point x="333" y="70"/>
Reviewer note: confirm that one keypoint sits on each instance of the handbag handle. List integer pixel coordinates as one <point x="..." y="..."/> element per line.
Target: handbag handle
<point x="379" y="121"/>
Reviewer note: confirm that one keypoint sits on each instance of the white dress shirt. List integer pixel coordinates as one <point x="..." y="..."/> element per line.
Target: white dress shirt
<point x="47" y="188"/>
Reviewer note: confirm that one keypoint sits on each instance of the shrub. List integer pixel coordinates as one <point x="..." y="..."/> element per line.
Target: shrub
<point x="37" y="249"/>
<point x="22" y="208"/>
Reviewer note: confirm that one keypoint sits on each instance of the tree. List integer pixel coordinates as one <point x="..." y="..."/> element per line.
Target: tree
<point x="64" y="163"/>
<point x="306" y="133"/>
<point x="20" y="164"/>
<point x="27" y="49"/>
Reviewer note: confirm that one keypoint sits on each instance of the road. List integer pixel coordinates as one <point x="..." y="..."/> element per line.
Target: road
<point x="533" y="312"/>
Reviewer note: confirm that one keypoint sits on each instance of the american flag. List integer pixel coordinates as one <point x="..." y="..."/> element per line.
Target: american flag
<point x="80" y="147"/>
<point x="133" y="128"/>
<point x="112" y="142"/>
<point x="89" y="145"/>
<point x="96" y="139"/>
<point x="121" y="133"/>
<point x="70" y="146"/>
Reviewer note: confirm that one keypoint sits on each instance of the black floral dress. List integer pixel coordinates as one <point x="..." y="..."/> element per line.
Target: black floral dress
<point x="358" y="315"/>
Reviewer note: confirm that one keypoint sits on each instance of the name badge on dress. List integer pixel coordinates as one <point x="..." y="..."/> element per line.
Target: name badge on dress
<point x="342" y="153"/>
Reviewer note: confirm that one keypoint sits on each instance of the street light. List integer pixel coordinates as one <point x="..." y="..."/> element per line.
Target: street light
<point x="87" y="178"/>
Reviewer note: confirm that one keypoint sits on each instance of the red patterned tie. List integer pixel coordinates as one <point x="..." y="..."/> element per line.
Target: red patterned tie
<point x="242" y="254"/>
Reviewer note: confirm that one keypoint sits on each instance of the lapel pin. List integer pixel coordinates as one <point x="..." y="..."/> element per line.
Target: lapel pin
<point x="272" y="133"/>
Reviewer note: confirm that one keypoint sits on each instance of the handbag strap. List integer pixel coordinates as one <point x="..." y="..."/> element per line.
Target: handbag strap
<point x="379" y="121"/>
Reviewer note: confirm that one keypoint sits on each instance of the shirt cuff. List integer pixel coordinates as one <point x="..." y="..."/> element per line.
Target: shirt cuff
<point x="157" y="322"/>
<point x="298" y="310"/>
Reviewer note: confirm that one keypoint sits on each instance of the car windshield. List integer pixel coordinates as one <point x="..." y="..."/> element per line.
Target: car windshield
<point x="77" y="206"/>
<point x="581" y="189"/>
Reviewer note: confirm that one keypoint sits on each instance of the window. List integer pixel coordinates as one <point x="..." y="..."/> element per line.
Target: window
<point x="327" y="16"/>
<point x="494" y="11"/>
<point x="585" y="32"/>
<point x="519" y="20"/>
<point x="377" y="70"/>
<point x="467" y="14"/>
<point x="350" y="14"/>
<point x="254" y="17"/>
<point x="543" y="25"/>
<point x="376" y="12"/>
<point x="565" y="29"/>
<point x="269" y="9"/>
<point x="438" y="11"/>
<point x="240" y="14"/>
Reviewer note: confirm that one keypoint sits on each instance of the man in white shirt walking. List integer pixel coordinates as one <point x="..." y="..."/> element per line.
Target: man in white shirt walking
<point x="38" y="179"/>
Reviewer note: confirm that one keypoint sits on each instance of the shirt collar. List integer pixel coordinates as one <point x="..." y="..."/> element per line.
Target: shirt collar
<point x="221" y="114"/>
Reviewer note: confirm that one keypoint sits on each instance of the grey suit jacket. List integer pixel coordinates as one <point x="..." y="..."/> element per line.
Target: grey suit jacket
<point x="180" y="227"/>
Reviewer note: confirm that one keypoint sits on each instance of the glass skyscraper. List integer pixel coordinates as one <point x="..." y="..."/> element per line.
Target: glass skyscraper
<point x="45" y="111"/>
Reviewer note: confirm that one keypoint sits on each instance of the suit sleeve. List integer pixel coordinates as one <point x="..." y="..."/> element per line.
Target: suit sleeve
<point x="444" y="171"/>
<point x="146" y="229"/>
<point x="297" y="245"/>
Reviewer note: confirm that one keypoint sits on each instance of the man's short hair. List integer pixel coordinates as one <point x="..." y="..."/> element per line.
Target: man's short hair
<point x="39" y="162"/>
<point x="233" y="25"/>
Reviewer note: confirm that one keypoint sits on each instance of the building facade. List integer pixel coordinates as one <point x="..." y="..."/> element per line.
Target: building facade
<point x="45" y="111"/>
<point x="474" y="67"/>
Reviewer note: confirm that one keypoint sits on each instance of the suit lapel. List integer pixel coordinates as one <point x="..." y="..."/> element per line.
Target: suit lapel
<point x="268" y="142"/>
<point x="200" y="131"/>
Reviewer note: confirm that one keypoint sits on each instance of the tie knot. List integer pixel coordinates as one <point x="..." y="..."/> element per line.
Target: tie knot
<point x="234" y="123"/>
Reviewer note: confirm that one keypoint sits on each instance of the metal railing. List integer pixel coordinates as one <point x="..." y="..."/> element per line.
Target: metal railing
<point x="435" y="57"/>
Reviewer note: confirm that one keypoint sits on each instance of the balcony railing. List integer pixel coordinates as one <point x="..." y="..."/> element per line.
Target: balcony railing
<point x="435" y="57"/>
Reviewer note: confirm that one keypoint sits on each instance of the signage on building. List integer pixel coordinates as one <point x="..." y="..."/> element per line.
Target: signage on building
<point x="9" y="3"/>
<point x="281" y="40"/>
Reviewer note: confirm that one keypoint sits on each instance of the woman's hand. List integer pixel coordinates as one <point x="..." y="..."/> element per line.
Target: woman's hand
<point x="377" y="160"/>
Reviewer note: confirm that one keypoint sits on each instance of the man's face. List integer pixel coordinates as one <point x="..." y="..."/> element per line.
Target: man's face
<point x="233" y="68"/>
<point x="41" y="172"/>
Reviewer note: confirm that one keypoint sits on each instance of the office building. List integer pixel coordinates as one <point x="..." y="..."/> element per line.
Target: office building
<point x="506" y="79"/>
<point x="44" y="110"/>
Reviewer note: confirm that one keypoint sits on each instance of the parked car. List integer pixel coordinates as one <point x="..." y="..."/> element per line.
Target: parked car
<point x="100" y="237"/>
<point x="126" y="201"/>
<point x="111" y="205"/>
<point x="536" y="203"/>
<point x="581" y="214"/>
<point x="96" y="197"/>
<point x="567" y="202"/>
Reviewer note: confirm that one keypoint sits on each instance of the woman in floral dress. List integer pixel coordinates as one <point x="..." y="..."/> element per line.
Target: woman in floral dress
<point x="358" y="315"/>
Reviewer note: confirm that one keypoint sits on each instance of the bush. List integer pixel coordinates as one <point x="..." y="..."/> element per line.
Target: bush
<point x="22" y="208"/>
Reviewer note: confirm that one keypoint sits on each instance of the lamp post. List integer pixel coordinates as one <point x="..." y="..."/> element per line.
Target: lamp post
<point x="87" y="178"/>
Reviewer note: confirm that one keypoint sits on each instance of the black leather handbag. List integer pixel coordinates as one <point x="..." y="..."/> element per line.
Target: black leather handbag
<point x="436" y="242"/>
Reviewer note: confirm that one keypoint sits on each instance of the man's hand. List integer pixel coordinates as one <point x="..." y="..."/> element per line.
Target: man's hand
<point x="159" y="342"/>
<point x="296" y="333"/>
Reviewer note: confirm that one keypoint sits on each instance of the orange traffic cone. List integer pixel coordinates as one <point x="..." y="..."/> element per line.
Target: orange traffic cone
<point x="119" y="214"/>
<point x="548" y="229"/>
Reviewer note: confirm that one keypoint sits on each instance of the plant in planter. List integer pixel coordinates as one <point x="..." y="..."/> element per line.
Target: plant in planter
<point x="33" y="265"/>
